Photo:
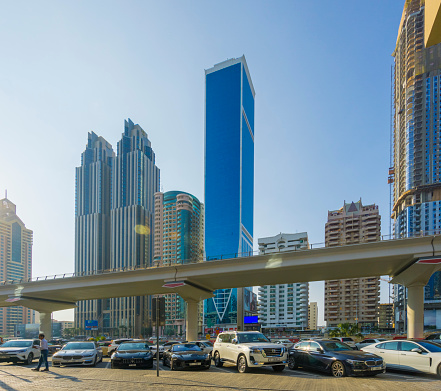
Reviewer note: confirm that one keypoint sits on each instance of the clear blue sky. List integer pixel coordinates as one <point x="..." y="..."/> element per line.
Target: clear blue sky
<point x="321" y="71"/>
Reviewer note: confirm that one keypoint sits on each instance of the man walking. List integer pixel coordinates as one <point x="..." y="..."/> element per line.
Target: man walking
<point x="43" y="354"/>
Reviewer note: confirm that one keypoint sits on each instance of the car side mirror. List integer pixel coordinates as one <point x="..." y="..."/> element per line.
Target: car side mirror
<point x="234" y="341"/>
<point x="320" y="350"/>
<point x="417" y="350"/>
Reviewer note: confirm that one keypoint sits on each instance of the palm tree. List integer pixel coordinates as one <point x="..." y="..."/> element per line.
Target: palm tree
<point x="345" y="330"/>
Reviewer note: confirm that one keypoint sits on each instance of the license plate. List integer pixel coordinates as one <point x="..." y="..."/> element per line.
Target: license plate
<point x="195" y="363"/>
<point x="376" y="368"/>
<point x="273" y="359"/>
<point x="132" y="365"/>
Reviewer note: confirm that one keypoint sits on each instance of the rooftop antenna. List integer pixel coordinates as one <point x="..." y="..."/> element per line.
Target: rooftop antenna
<point x="6" y="193"/>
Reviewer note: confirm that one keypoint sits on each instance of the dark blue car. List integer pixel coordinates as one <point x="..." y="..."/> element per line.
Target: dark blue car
<point x="334" y="357"/>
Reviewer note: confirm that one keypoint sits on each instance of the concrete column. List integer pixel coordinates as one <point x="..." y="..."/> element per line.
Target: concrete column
<point x="192" y="321"/>
<point x="415" y="311"/>
<point x="46" y="324"/>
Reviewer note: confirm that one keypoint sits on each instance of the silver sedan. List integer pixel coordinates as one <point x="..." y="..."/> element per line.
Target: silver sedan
<point x="78" y="353"/>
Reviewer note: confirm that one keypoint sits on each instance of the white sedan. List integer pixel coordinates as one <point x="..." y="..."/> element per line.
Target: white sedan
<point x="409" y="355"/>
<point x="369" y="341"/>
<point x="78" y="353"/>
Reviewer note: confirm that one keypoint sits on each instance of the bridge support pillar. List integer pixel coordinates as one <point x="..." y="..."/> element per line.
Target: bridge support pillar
<point x="46" y="324"/>
<point x="415" y="311"/>
<point x="192" y="321"/>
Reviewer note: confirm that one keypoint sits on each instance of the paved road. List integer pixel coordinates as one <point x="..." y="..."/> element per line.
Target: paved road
<point x="20" y="377"/>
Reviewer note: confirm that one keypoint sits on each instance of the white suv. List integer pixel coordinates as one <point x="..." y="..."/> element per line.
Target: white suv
<point x="20" y="350"/>
<point x="248" y="349"/>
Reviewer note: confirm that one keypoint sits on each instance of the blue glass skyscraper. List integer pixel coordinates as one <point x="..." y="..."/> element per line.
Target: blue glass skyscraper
<point x="229" y="175"/>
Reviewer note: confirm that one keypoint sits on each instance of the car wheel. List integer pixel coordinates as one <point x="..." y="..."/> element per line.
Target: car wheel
<point x="95" y="361"/>
<point x="207" y="366"/>
<point x="242" y="365"/>
<point x="56" y="364"/>
<point x="112" y="365"/>
<point x="172" y="367"/>
<point x="438" y="371"/>
<point x="278" y="368"/>
<point x="338" y="369"/>
<point x="292" y="364"/>
<point x="164" y="362"/>
<point x="217" y="360"/>
<point x="29" y="359"/>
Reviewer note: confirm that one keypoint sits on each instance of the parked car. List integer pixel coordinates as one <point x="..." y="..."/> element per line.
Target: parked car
<point x="186" y="355"/>
<point x="104" y="345"/>
<point x="409" y="355"/>
<point x="164" y="346"/>
<point x="52" y="348"/>
<point x="114" y="345"/>
<point x="285" y="342"/>
<point x="436" y="337"/>
<point x="24" y="350"/>
<point x="248" y="349"/>
<point x="132" y="354"/>
<point x="347" y="340"/>
<point x="206" y="346"/>
<point x="335" y="357"/>
<point x="368" y="341"/>
<point x="78" y="353"/>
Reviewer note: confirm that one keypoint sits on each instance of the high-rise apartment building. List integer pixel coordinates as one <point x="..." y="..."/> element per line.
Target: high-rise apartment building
<point x="312" y="316"/>
<point x="416" y="171"/>
<point x="135" y="180"/>
<point x="92" y="222"/>
<point x="15" y="263"/>
<point x="179" y="239"/>
<point x="386" y="317"/>
<point x="284" y="306"/>
<point x="229" y="177"/>
<point x="353" y="300"/>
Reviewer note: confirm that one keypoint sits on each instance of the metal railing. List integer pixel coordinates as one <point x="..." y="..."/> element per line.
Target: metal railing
<point x="247" y="254"/>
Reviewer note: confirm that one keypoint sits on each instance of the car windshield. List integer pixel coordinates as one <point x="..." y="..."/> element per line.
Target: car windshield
<point x="17" y="344"/>
<point x="335" y="346"/>
<point x="252" y="337"/>
<point x="430" y="346"/>
<point x="133" y="346"/>
<point x="208" y="343"/>
<point x="186" y="347"/>
<point x="79" y="346"/>
<point x="347" y="340"/>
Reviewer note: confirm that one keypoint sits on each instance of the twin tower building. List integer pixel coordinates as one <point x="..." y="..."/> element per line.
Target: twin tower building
<point x="122" y="220"/>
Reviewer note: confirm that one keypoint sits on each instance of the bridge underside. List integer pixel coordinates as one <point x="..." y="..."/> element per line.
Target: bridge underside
<point x="395" y="258"/>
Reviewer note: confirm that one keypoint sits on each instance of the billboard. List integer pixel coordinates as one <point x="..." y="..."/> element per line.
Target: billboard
<point x="91" y="325"/>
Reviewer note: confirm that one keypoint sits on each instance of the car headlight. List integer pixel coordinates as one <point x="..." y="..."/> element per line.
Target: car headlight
<point x="258" y="351"/>
<point x="356" y="363"/>
<point x="88" y="354"/>
<point x="21" y="350"/>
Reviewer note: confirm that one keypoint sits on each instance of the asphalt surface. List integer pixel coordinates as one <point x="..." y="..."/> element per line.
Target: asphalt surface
<point x="102" y="377"/>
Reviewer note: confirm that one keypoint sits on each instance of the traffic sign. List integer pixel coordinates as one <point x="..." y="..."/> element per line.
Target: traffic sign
<point x="208" y="336"/>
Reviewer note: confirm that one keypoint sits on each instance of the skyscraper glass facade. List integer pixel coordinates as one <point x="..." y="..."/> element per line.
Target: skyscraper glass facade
<point x="229" y="174"/>
<point x="114" y="228"/>
<point x="179" y="239"/>
<point x="135" y="180"/>
<point x="417" y="146"/>
<point x="92" y="222"/>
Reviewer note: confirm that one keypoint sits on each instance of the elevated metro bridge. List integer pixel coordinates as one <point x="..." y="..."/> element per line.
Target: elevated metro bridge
<point x="409" y="262"/>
